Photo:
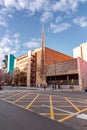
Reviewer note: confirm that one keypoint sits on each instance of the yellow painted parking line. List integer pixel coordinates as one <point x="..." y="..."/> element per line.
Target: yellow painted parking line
<point x="20" y="98"/>
<point x="56" y="114"/>
<point x="73" y="104"/>
<point x="71" y="115"/>
<point x="51" y="109"/>
<point x="29" y="105"/>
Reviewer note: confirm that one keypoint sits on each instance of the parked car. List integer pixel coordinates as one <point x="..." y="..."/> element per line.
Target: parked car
<point x="85" y="89"/>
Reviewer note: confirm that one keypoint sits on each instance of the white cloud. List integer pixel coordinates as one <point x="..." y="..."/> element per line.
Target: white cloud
<point x="5" y="14"/>
<point x="60" y="5"/>
<point x="41" y="5"/>
<point x="46" y="7"/>
<point x="9" y="40"/>
<point x="82" y="1"/>
<point x="1" y="2"/>
<point x="34" y="43"/>
<point x="9" y="3"/>
<point x="35" y="5"/>
<point x="81" y="21"/>
<point x="9" y="44"/>
<point x="32" y="5"/>
<point x="8" y="7"/>
<point x="73" y="5"/>
<point x="58" y="19"/>
<point x="59" y="27"/>
<point x="46" y="16"/>
<point x="3" y="22"/>
<point x="66" y="6"/>
<point x="22" y="4"/>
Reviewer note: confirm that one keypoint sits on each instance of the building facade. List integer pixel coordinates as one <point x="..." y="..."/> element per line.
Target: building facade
<point x="8" y="63"/>
<point x="80" y="53"/>
<point x="36" y="71"/>
<point x="50" y="67"/>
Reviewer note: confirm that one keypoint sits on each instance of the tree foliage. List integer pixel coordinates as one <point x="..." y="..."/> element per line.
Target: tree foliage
<point x="19" y="77"/>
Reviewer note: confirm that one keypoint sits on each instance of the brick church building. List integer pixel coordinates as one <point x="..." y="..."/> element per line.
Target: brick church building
<point x="47" y="66"/>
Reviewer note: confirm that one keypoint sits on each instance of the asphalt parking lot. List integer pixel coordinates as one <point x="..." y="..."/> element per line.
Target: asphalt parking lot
<point x="61" y="107"/>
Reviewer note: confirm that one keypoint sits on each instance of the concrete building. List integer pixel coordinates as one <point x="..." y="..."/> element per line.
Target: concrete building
<point x="69" y="72"/>
<point x="36" y="64"/>
<point x="36" y="70"/>
<point x="80" y="53"/>
<point x="47" y="66"/>
<point x="8" y="63"/>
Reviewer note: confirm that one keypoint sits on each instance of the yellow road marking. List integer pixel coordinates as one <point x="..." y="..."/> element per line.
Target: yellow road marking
<point x="29" y="105"/>
<point x="51" y="109"/>
<point x="73" y="105"/>
<point x="67" y="117"/>
<point x="20" y="98"/>
<point x="56" y="114"/>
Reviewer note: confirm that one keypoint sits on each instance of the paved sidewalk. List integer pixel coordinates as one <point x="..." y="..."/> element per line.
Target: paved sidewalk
<point x="15" y="118"/>
<point x="38" y="88"/>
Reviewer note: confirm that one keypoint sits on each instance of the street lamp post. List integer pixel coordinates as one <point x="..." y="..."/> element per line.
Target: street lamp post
<point x="54" y="68"/>
<point x="55" y="75"/>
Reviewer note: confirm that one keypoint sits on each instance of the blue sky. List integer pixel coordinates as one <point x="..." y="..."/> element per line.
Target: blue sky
<point x="21" y="21"/>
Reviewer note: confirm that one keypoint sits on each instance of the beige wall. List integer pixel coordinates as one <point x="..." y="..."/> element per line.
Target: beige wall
<point x="82" y="70"/>
<point x="29" y="68"/>
<point x="80" y="51"/>
<point x="21" y="63"/>
<point x="38" y="79"/>
<point x="66" y="67"/>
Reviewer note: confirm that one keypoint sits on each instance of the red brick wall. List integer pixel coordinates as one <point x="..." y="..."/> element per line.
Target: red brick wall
<point x="52" y="56"/>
